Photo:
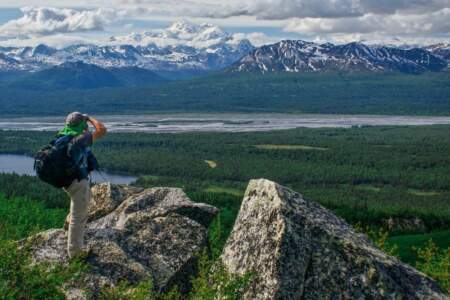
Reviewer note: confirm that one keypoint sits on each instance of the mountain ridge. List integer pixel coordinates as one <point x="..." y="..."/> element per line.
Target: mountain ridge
<point x="302" y="56"/>
<point x="79" y="75"/>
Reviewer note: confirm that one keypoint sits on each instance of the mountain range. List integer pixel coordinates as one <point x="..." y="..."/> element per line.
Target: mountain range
<point x="184" y="50"/>
<point x="181" y="47"/>
<point x="301" y="56"/>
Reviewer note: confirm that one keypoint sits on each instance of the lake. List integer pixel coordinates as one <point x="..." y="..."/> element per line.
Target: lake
<point x="23" y="165"/>
<point x="222" y="122"/>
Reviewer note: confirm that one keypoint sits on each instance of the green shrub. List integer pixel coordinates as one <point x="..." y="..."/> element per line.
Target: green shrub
<point x="379" y="237"/>
<point x="214" y="282"/>
<point x="435" y="262"/>
<point x="20" y="217"/>
<point x="211" y="282"/>
<point x="22" y="279"/>
<point x="30" y="187"/>
<point x="142" y="291"/>
<point x="406" y="243"/>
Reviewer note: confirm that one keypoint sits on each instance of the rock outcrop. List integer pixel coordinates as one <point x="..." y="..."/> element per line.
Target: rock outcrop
<point x="134" y="234"/>
<point x="296" y="249"/>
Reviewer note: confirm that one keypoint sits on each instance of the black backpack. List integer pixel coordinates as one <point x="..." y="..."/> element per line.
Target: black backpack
<point x="54" y="165"/>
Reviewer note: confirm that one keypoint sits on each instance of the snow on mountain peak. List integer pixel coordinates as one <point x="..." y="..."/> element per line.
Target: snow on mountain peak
<point x="181" y="46"/>
<point x="200" y="36"/>
<point x="300" y="56"/>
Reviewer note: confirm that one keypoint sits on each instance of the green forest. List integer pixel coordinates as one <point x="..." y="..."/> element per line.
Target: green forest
<point x="365" y="175"/>
<point x="333" y="93"/>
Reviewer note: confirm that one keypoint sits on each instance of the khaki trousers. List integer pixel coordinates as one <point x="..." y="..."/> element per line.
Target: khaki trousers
<point x="80" y="196"/>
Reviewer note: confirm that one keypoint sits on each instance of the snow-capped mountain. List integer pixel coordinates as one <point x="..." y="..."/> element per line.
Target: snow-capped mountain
<point x="182" y="46"/>
<point x="9" y="64"/>
<point x="440" y="50"/>
<point x="301" y="56"/>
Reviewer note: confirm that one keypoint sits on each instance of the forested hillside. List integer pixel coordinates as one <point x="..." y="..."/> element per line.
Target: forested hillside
<point x="334" y="93"/>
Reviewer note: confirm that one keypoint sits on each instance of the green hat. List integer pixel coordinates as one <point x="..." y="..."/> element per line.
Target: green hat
<point x="76" y="124"/>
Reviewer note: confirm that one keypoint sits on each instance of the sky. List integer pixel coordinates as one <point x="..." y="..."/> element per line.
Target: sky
<point x="63" y="22"/>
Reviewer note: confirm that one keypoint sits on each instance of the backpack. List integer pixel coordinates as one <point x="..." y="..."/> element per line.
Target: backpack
<point x="54" y="165"/>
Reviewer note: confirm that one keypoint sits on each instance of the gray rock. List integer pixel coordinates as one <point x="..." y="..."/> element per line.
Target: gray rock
<point x="105" y="198"/>
<point x="296" y="249"/>
<point x="134" y="235"/>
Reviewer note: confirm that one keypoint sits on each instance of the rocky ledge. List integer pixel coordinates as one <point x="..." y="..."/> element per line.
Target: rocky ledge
<point x="134" y="234"/>
<point x="296" y="249"/>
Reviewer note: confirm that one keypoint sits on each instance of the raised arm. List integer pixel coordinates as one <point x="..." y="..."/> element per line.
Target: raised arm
<point x="100" y="129"/>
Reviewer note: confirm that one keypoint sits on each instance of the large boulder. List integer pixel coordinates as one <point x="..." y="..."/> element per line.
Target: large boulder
<point x="134" y="234"/>
<point x="296" y="249"/>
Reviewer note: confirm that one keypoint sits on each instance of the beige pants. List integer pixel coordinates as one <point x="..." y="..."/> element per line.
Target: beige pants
<point x="80" y="196"/>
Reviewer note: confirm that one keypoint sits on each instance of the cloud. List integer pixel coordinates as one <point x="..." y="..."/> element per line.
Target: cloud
<point x="58" y="41"/>
<point x="397" y="24"/>
<point x="335" y="19"/>
<point x="40" y="21"/>
<point x="261" y="9"/>
<point x="285" y="9"/>
<point x="372" y="28"/>
<point x="184" y="33"/>
<point x="256" y="38"/>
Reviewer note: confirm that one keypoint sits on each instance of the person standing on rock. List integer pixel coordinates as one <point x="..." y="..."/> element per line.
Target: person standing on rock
<point x="66" y="163"/>
<point x="79" y="190"/>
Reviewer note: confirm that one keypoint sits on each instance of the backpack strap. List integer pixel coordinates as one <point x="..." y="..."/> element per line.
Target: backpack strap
<point x="63" y="141"/>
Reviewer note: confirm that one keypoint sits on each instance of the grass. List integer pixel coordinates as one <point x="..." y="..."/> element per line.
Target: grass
<point x="406" y="243"/>
<point x="368" y="187"/>
<point x="289" y="147"/>
<point x="150" y="177"/>
<point x="20" y="217"/>
<point x="423" y="193"/>
<point x="212" y="164"/>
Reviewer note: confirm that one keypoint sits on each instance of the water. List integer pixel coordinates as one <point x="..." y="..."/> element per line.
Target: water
<point x="23" y="165"/>
<point x="223" y="122"/>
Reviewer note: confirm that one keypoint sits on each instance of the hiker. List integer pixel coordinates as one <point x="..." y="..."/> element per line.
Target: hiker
<point x="66" y="163"/>
<point x="79" y="190"/>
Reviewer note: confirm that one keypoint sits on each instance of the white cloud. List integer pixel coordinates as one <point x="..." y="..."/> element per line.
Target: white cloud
<point x="257" y="38"/>
<point x="396" y="24"/>
<point x="333" y="19"/>
<point x="285" y="9"/>
<point x="38" y="21"/>
<point x="261" y="9"/>
<point x="376" y="28"/>
<point x="58" y="41"/>
<point x="181" y="33"/>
